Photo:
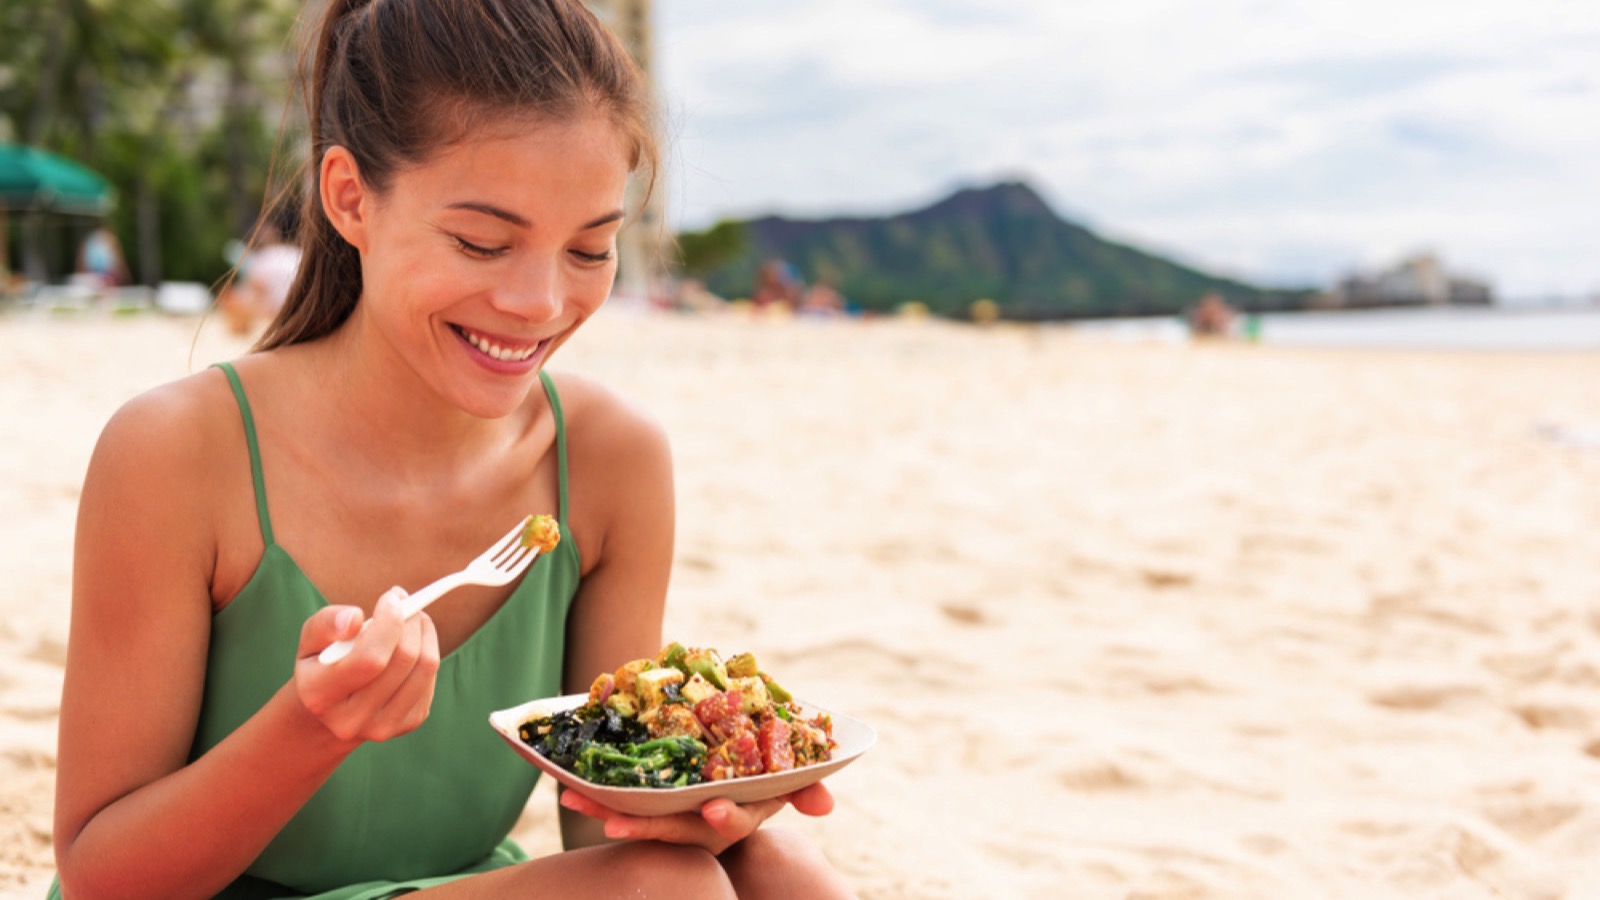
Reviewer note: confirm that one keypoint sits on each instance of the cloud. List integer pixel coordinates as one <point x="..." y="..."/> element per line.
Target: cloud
<point x="1282" y="142"/>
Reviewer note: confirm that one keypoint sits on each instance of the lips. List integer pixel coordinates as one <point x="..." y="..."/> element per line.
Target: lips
<point x="499" y="348"/>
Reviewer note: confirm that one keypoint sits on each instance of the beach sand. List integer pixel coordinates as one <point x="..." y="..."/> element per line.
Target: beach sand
<point x="1131" y="620"/>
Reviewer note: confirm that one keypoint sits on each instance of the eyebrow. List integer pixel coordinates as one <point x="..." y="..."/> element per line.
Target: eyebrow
<point x="509" y="216"/>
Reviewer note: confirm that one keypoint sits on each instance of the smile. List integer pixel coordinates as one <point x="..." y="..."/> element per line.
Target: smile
<point x="498" y="351"/>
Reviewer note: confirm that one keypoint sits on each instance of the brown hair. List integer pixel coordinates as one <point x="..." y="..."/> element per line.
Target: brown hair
<point x="393" y="80"/>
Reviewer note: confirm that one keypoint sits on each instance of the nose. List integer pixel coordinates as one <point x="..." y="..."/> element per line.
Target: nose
<point x="531" y="290"/>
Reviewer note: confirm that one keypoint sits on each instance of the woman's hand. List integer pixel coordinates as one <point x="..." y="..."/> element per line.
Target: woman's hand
<point x="720" y="824"/>
<point x="385" y="686"/>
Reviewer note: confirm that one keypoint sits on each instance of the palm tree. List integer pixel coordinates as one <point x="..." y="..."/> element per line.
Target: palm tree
<point x="248" y="37"/>
<point x="92" y="73"/>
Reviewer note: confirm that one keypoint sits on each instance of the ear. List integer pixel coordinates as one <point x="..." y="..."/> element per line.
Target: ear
<point x="345" y="198"/>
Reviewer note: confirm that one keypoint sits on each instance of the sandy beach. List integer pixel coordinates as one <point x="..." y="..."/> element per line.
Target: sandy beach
<point x="1131" y="620"/>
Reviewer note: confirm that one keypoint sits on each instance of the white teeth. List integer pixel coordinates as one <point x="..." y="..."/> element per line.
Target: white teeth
<point x="497" y="351"/>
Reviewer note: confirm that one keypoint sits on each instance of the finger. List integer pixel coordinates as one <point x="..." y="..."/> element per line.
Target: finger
<point x="369" y="674"/>
<point x="685" y="828"/>
<point x="427" y="669"/>
<point x="430" y="642"/>
<point x="408" y="707"/>
<point x="386" y="696"/>
<point x="624" y="826"/>
<point x="376" y="642"/>
<point x="580" y="803"/>
<point x="408" y="650"/>
<point x="326" y="625"/>
<point x="682" y="828"/>
<point x="320" y="692"/>
<point x="324" y="690"/>
<point x="388" y="614"/>
<point x="403" y="662"/>
<point x="735" y="822"/>
<point x="812" y="800"/>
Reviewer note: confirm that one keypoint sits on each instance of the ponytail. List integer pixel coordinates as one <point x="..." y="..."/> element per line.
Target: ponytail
<point x="328" y="283"/>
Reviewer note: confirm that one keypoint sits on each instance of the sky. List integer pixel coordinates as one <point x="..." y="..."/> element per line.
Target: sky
<point x="1285" y="143"/>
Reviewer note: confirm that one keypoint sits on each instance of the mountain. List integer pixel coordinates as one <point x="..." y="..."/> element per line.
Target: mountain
<point x="1002" y="242"/>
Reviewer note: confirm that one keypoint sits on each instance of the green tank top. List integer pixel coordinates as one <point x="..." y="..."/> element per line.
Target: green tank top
<point x="421" y="809"/>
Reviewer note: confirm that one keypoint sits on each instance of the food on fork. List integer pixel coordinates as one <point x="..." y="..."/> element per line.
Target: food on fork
<point x="541" y="532"/>
<point x="682" y="718"/>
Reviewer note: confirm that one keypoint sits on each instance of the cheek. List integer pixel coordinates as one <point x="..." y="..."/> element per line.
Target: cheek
<point x="417" y="272"/>
<point x="593" y="291"/>
<point x="383" y="263"/>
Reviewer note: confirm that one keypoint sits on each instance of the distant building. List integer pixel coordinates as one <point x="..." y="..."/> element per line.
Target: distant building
<point x="1420" y="280"/>
<point x="642" y="263"/>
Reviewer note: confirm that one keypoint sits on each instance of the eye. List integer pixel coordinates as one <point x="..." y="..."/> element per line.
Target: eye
<point x="476" y="251"/>
<point x="594" y="258"/>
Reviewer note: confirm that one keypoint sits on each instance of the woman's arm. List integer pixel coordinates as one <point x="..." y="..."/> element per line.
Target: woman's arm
<point x="127" y="809"/>
<point x="625" y="488"/>
<point x="622" y="518"/>
<point x="133" y="818"/>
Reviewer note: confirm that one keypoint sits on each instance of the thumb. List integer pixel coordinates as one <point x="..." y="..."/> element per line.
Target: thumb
<point x="813" y="800"/>
<point x="329" y="624"/>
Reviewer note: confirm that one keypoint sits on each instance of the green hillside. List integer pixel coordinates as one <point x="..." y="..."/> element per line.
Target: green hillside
<point x="1002" y="243"/>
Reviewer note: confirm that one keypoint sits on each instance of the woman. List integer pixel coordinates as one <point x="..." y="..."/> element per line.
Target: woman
<point x="100" y="258"/>
<point x="470" y="162"/>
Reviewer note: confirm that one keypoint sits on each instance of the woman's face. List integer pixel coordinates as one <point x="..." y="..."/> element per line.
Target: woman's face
<point x="480" y="262"/>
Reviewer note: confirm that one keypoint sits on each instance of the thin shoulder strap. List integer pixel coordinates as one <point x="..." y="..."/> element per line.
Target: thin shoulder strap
<point x="561" y="442"/>
<point x="255" y="452"/>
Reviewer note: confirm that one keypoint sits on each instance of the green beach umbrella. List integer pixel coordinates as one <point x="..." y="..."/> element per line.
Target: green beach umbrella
<point x="34" y="179"/>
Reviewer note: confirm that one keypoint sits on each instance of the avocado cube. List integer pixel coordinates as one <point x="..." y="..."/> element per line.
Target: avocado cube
<point x="753" y="695"/>
<point x="709" y="665"/>
<point x="697" y="689"/>
<point x="776" y="690"/>
<point x="743" y="666"/>
<point x="673" y="655"/>
<point x="626" y="705"/>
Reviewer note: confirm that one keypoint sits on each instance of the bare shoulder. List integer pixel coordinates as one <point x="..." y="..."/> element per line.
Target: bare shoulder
<point x="606" y="428"/>
<point x="157" y="467"/>
<point x="170" y="427"/>
<point x="620" y="470"/>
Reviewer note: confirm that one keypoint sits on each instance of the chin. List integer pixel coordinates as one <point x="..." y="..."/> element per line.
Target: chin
<point x="495" y="405"/>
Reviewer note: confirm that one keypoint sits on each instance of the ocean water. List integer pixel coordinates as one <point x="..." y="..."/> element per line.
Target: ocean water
<point x="1484" y="329"/>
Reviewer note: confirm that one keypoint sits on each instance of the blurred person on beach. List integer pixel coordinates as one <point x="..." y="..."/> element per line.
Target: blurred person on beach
<point x="470" y="166"/>
<point x="1212" y="317"/>
<point x="265" y="274"/>
<point x="777" y="286"/>
<point x="100" y="261"/>
<point x="821" y="300"/>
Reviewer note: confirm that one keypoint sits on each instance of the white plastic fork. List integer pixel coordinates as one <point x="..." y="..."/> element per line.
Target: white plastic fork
<point x="499" y="564"/>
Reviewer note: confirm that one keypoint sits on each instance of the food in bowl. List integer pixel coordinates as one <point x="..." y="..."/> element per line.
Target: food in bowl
<point x="680" y="719"/>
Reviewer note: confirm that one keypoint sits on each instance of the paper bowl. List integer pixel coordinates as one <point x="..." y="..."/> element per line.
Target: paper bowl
<point x="852" y="736"/>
